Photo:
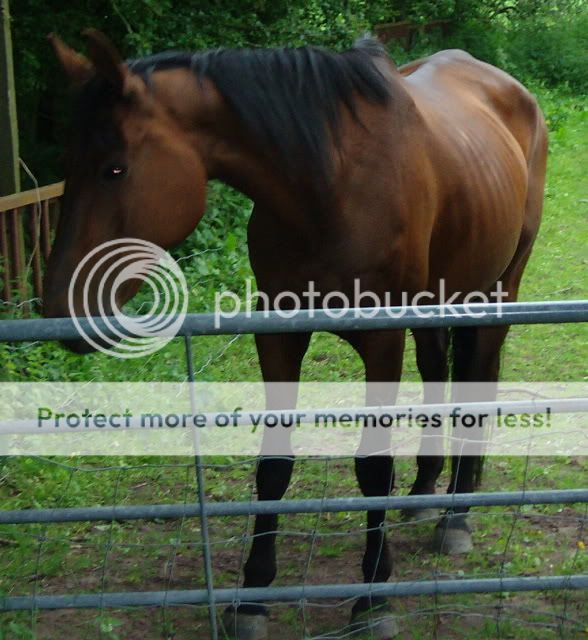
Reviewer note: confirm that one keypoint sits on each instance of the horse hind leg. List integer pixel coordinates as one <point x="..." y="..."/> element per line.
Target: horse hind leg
<point x="476" y="359"/>
<point x="476" y="352"/>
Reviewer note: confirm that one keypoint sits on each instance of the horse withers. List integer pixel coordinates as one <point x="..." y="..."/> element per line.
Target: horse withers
<point x="397" y="177"/>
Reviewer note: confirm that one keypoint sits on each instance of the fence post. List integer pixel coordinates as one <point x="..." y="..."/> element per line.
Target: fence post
<point x="9" y="175"/>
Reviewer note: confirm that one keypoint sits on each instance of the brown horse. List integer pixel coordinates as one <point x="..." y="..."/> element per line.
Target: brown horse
<point x="399" y="177"/>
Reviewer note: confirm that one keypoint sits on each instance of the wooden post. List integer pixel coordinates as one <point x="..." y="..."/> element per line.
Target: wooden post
<point x="9" y="166"/>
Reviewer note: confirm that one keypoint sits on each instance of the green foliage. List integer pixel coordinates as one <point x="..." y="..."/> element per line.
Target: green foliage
<point x="535" y="40"/>
<point x="554" y="50"/>
<point x="16" y="631"/>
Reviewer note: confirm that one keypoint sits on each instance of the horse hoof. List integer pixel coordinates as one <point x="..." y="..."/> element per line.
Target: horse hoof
<point x="452" y="536"/>
<point x="244" y="626"/>
<point x="375" y="624"/>
<point x="419" y="515"/>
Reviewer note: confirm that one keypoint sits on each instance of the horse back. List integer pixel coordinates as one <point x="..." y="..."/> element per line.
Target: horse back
<point x="463" y="84"/>
<point x="487" y="146"/>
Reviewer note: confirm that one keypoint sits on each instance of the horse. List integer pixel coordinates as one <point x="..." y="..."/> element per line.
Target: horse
<point x="358" y="169"/>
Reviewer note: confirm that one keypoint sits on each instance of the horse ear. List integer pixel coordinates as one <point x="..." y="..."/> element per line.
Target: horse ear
<point x="106" y="58"/>
<point x="77" y="67"/>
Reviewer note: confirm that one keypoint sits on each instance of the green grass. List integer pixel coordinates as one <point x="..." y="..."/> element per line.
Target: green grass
<point x="137" y="556"/>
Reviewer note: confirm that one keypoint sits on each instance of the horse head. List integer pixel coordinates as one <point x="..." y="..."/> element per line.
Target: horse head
<point x="131" y="172"/>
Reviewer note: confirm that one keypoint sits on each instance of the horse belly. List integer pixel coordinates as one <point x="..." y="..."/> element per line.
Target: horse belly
<point x="479" y="228"/>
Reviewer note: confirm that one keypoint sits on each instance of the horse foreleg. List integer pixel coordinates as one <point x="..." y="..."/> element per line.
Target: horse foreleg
<point x="382" y="356"/>
<point x="280" y="357"/>
<point x="431" y="355"/>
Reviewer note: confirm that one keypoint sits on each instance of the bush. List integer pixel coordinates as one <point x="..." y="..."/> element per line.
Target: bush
<point x="552" y="50"/>
<point x="486" y="42"/>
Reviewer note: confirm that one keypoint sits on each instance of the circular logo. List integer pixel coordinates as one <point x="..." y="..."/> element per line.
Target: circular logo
<point x="114" y="264"/>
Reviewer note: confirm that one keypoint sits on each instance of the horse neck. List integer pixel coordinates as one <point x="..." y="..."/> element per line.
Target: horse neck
<point x="227" y="152"/>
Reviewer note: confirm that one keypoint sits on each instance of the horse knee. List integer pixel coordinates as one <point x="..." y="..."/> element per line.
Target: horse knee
<point x="375" y="475"/>
<point x="273" y="477"/>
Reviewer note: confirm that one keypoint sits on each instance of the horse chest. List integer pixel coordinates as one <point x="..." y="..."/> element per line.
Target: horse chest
<point x="287" y="262"/>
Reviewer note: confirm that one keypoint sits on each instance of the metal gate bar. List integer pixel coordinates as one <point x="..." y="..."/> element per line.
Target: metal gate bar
<point x="417" y="317"/>
<point x="311" y="505"/>
<point x="295" y="593"/>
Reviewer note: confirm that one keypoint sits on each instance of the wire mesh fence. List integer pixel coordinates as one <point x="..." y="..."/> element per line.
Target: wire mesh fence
<point x="167" y="553"/>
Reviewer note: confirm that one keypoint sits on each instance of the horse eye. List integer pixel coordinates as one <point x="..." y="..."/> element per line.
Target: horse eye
<point x="114" y="172"/>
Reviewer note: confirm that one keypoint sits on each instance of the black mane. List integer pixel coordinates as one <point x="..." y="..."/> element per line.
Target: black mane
<point x="288" y="99"/>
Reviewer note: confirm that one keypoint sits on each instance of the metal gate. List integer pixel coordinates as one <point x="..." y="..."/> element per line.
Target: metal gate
<point x="264" y="322"/>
